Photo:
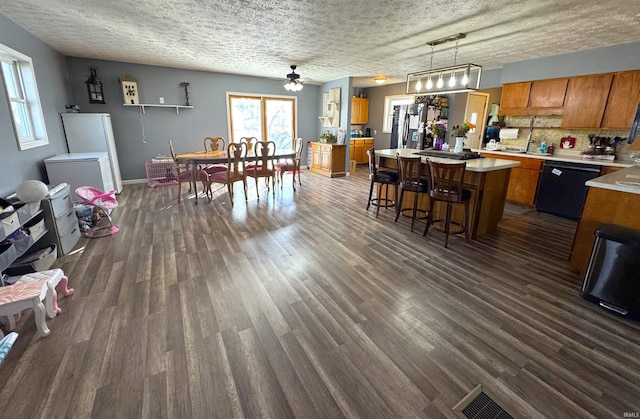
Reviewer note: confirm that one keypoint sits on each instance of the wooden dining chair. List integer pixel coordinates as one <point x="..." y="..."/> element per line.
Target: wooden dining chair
<point x="236" y="161"/>
<point x="264" y="152"/>
<point x="250" y="141"/>
<point x="291" y="165"/>
<point x="184" y="175"/>
<point x="214" y="144"/>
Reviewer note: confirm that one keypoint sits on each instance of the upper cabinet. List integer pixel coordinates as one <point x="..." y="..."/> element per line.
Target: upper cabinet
<point x="586" y="100"/>
<point x="605" y="100"/>
<point x="515" y="96"/>
<point x="548" y="93"/>
<point x="540" y="97"/>
<point x="359" y="110"/>
<point x="623" y="100"/>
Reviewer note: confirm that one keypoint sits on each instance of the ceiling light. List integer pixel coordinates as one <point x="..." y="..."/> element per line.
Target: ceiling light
<point x="293" y="83"/>
<point x="419" y="85"/>
<point x="380" y="80"/>
<point x="470" y="80"/>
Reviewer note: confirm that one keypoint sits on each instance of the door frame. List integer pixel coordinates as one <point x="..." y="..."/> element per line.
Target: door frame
<point x="482" y="119"/>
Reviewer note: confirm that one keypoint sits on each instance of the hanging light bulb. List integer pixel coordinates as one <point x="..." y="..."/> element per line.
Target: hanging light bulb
<point x="452" y="79"/>
<point x="419" y="84"/>
<point x="465" y="78"/>
<point x="440" y="82"/>
<point x="429" y="83"/>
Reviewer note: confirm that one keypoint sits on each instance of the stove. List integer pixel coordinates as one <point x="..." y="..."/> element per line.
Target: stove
<point x="465" y="155"/>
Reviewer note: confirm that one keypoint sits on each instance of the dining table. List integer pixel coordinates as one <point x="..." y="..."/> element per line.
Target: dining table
<point x="195" y="158"/>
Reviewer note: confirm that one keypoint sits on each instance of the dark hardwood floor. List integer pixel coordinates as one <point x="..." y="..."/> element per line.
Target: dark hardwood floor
<point x="306" y="305"/>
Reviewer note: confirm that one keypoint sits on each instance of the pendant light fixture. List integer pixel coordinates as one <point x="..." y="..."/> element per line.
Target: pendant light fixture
<point x="470" y="80"/>
<point x="293" y="83"/>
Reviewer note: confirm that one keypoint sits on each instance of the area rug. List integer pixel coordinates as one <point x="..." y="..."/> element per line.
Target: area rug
<point x="517" y="209"/>
<point x="479" y="405"/>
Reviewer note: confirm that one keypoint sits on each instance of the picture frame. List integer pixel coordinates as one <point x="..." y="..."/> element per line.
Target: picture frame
<point x="129" y="91"/>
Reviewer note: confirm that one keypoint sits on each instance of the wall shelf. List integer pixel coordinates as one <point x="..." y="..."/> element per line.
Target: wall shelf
<point x="153" y="105"/>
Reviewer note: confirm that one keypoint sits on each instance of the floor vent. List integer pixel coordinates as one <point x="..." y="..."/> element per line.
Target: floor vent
<point x="478" y="405"/>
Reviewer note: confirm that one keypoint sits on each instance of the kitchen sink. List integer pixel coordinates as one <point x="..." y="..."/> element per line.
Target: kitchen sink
<point x="514" y="149"/>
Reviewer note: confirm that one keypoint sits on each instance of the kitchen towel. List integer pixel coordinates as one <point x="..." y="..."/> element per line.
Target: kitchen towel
<point x="508" y="133"/>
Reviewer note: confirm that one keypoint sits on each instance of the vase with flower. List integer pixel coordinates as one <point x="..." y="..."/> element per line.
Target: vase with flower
<point x="438" y="129"/>
<point x="460" y="133"/>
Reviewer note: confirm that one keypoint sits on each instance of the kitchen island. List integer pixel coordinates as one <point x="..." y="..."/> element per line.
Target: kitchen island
<point x="612" y="199"/>
<point x="486" y="178"/>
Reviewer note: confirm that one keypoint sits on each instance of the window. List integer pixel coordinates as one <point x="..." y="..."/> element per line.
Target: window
<point x="268" y="118"/>
<point x="389" y="103"/>
<point x="24" y="101"/>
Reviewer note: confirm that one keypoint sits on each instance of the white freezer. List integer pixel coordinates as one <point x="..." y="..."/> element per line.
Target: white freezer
<point x="91" y="132"/>
<point x="80" y="169"/>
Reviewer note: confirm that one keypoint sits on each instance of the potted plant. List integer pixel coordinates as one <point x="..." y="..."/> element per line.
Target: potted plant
<point x="460" y="133"/>
<point x="327" y="137"/>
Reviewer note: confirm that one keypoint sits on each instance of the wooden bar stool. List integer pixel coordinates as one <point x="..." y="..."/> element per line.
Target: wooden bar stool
<point x="413" y="178"/>
<point x="381" y="177"/>
<point x="446" y="185"/>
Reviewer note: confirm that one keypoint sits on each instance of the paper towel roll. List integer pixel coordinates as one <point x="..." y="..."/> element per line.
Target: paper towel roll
<point x="508" y="133"/>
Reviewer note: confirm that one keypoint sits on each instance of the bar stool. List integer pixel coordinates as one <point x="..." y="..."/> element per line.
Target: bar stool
<point x="382" y="177"/>
<point x="446" y="185"/>
<point x="413" y="178"/>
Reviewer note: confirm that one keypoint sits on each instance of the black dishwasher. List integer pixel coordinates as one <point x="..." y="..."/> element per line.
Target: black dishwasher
<point x="562" y="189"/>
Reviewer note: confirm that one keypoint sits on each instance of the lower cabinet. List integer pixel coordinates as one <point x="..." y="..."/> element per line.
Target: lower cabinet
<point x="328" y="159"/>
<point x="523" y="182"/>
<point x="61" y="221"/>
<point x="358" y="149"/>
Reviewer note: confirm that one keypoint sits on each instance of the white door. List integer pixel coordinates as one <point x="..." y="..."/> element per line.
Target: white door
<point x="476" y="113"/>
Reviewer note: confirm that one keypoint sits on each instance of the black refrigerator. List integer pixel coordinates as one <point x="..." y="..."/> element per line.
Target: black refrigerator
<point x="407" y="129"/>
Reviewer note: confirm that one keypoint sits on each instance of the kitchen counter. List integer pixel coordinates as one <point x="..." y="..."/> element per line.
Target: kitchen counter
<point x="473" y="165"/>
<point x="625" y="180"/>
<point x="610" y="200"/>
<point x="559" y="155"/>
<point x="486" y="178"/>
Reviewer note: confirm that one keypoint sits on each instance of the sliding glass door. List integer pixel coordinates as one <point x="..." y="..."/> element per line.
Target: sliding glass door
<point x="269" y="118"/>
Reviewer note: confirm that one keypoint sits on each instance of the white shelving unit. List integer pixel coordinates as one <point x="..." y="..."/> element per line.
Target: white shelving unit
<point x="153" y="105"/>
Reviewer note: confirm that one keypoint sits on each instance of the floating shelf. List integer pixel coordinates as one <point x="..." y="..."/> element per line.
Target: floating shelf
<point x="153" y="105"/>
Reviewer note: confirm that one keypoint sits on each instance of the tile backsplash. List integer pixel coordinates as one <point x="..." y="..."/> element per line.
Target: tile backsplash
<point x="548" y="128"/>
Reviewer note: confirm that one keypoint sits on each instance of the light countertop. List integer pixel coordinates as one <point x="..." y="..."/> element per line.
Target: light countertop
<point x="625" y="180"/>
<point x="571" y="156"/>
<point x="473" y="165"/>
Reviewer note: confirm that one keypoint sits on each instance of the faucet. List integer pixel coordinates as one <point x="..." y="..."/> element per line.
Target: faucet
<point x="529" y="140"/>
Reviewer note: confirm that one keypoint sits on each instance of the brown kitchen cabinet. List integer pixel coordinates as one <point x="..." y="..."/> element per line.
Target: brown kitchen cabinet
<point x="515" y="96"/>
<point x="586" y="100"/>
<point x="523" y="182"/>
<point x="623" y="100"/>
<point x="358" y="149"/>
<point x="548" y="94"/>
<point x="328" y="159"/>
<point x="539" y="97"/>
<point x="359" y="110"/>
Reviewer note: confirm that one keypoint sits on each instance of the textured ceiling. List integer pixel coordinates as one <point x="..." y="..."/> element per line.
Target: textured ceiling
<point x="328" y="40"/>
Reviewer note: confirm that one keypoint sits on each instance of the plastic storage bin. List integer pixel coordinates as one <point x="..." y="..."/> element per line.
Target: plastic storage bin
<point x="39" y="258"/>
<point x="612" y="279"/>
